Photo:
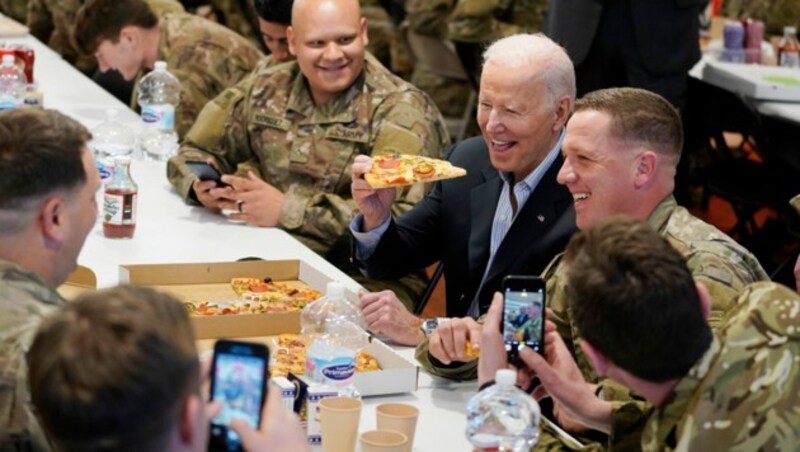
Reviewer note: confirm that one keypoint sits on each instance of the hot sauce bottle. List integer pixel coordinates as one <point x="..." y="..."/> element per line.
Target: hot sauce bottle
<point x="119" y="204"/>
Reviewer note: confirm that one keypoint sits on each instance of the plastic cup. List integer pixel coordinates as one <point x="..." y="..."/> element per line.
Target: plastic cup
<point x="399" y="417"/>
<point x="339" y="417"/>
<point x="383" y="441"/>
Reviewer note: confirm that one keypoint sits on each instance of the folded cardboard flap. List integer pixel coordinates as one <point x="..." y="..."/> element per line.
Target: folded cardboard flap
<point x="82" y="280"/>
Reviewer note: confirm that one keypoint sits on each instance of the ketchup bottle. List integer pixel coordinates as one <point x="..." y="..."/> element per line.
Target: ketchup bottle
<point x="119" y="204"/>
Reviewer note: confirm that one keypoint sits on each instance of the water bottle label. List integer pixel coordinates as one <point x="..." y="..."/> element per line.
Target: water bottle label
<point x="119" y="208"/>
<point x="7" y="103"/>
<point x="335" y="372"/>
<point x="161" y="117"/>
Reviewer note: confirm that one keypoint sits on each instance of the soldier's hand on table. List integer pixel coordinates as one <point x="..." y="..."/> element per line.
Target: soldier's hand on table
<point x="374" y="204"/>
<point x="279" y="429"/>
<point x="448" y="342"/>
<point x="209" y="195"/>
<point x="253" y="200"/>
<point x="577" y="406"/>
<point x="386" y="315"/>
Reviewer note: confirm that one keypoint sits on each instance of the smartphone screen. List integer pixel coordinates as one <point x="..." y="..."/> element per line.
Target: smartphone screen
<point x="523" y="313"/>
<point x="238" y="381"/>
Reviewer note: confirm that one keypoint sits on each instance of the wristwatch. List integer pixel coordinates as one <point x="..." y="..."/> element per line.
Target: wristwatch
<point x="428" y="325"/>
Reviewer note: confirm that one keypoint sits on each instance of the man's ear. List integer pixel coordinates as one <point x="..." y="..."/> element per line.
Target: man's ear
<point x="364" y="32"/>
<point x="53" y="221"/>
<point x="130" y="35"/>
<point x="705" y="299"/>
<point x="646" y="166"/>
<point x="562" y="112"/>
<point x="290" y="39"/>
<point x="597" y="358"/>
<point x="189" y="432"/>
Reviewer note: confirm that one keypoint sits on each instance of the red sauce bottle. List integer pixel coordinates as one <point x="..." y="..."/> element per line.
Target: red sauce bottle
<point x="119" y="204"/>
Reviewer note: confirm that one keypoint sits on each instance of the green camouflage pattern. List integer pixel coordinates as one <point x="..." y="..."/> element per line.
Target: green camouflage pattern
<point x="25" y="299"/>
<point x="485" y="21"/>
<point x="776" y="14"/>
<point x="723" y="266"/>
<point x="240" y="17"/>
<point x="450" y="94"/>
<point x="429" y="17"/>
<point x="50" y="21"/>
<point x="744" y="393"/>
<point x="206" y="58"/>
<point x="306" y="151"/>
<point x="15" y="9"/>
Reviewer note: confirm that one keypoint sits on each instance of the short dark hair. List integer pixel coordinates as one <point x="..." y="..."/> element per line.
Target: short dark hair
<point x="40" y="154"/>
<point x="112" y="369"/>
<point x="634" y="299"/>
<point x="638" y="117"/>
<point x="277" y="11"/>
<point x="100" y="20"/>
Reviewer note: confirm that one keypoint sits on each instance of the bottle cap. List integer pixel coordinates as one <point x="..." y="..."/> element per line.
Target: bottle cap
<point x="505" y="377"/>
<point x="161" y="65"/>
<point x="334" y="289"/>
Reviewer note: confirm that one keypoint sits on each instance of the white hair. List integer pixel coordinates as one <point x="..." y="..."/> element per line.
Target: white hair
<point x="547" y="60"/>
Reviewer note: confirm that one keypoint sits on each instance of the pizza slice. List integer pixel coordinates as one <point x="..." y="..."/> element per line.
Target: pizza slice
<point x="397" y="170"/>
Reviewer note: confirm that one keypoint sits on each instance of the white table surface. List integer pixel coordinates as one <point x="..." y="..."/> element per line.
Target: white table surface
<point x="788" y="111"/>
<point x="170" y="231"/>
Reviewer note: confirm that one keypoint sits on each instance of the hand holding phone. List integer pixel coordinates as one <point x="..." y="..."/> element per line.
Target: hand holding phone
<point x="205" y="171"/>
<point x="239" y="373"/>
<point x="523" y="314"/>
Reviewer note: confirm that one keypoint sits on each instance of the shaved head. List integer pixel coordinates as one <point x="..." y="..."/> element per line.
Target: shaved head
<point x="329" y="38"/>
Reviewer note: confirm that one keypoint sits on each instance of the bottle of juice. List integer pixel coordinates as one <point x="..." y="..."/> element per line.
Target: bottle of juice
<point x="119" y="204"/>
<point x="789" y="49"/>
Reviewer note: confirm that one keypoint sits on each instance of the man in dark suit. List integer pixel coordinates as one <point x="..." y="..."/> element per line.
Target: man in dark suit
<point x="645" y="44"/>
<point x="507" y="215"/>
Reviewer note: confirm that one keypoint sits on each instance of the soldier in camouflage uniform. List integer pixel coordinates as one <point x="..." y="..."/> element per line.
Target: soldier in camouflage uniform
<point x="482" y="21"/>
<point x="15" y="9"/>
<point x="776" y="14"/>
<point x="274" y="17"/>
<point x="289" y="133"/>
<point x="51" y="21"/>
<point x="47" y="208"/>
<point x="429" y="18"/>
<point x="643" y="316"/>
<point x="205" y="57"/>
<point x="239" y="16"/>
<point x="593" y="174"/>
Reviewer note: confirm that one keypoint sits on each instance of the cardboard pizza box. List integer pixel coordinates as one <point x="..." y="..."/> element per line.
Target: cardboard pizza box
<point x="211" y="281"/>
<point x="197" y="282"/>
<point x="82" y="280"/>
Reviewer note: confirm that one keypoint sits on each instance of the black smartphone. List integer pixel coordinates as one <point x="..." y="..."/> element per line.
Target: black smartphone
<point x="523" y="314"/>
<point x="205" y="171"/>
<point x="239" y="374"/>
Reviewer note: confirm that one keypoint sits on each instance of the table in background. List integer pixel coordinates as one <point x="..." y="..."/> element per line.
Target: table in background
<point x="170" y="231"/>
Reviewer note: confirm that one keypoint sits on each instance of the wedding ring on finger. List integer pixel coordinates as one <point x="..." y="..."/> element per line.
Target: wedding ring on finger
<point x="240" y="206"/>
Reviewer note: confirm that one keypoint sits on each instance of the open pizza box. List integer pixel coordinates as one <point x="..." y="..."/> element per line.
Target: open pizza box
<point x="82" y="280"/>
<point x="211" y="281"/>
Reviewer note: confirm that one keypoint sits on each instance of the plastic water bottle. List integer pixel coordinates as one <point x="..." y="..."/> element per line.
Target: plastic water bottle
<point x="12" y="83"/>
<point x="159" y="94"/>
<point x="111" y="139"/>
<point x="502" y="416"/>
<point x="337" y="326"/>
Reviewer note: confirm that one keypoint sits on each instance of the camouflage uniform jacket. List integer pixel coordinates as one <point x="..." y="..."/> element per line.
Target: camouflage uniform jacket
<point x="15" y="9"/>
<point x="744" y="393"/>
<point x="50" y="21"/>
<point x="24" y="301"/>
<point x="723" y="266"/>
<point x="206" y="58"/>
<point x="305" y="151"/>
<point x="485" y="21"/>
